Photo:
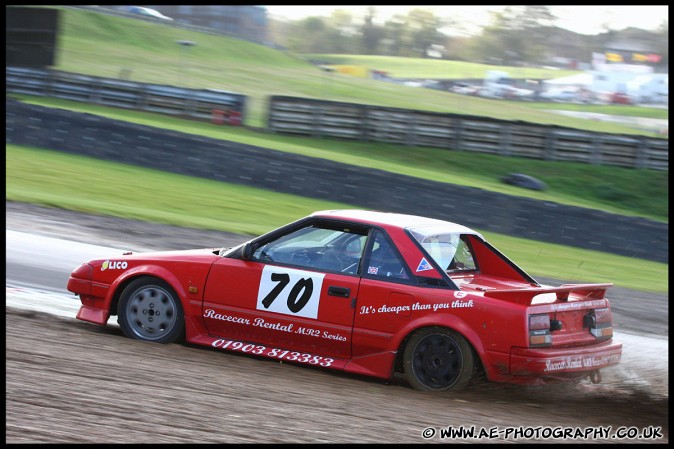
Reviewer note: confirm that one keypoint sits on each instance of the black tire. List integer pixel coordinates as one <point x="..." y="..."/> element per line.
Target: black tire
<point x="150" y="310"/>
<point x="437" y="359"/>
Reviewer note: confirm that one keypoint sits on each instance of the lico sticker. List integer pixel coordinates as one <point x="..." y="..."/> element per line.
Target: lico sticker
<point x="114" y="265"/>
<point x="289" y="291"/>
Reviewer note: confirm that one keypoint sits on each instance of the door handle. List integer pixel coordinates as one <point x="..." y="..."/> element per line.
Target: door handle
<point x="341" y="292"/>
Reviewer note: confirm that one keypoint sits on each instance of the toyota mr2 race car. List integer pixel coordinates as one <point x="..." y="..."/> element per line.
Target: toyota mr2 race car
<point x="371" y="293"/>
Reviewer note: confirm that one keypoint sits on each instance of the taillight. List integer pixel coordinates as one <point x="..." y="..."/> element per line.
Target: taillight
<point x="539" y="330"/>
<point x="599" y="322"/>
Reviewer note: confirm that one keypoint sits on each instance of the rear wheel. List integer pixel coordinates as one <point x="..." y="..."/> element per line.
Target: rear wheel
<point x="437" y="359"/>
<point x="150" y="310"/>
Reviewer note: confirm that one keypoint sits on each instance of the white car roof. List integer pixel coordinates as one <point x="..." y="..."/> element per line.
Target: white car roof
<point x="425" y="225"/>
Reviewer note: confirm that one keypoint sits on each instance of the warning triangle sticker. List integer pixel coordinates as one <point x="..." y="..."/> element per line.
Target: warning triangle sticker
<point x="424" y="265"/>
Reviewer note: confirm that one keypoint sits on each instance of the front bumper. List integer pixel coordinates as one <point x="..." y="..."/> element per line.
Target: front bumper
<point x="94" y="297"/>
<point x="93" y="315"/>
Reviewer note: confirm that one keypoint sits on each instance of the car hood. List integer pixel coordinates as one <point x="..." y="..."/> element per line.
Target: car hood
<point x="191" y="255"/>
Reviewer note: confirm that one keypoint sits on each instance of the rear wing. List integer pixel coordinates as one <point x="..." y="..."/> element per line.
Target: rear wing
<point x="526" y="295"/>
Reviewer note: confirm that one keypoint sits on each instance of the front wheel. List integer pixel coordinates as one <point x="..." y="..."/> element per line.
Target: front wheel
<point x="150" y="310"/>
<point x="437" y="359"/>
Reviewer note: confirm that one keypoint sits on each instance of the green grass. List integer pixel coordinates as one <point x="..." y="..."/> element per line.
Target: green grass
<point x="636" y="192"/>
<point x="435" y="68"/>
<point x="95" y="44"/>
<point x="90" y="185"/>
<point x="609" y="109"/>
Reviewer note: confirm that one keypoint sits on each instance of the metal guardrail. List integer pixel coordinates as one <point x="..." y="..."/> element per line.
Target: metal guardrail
<point x="319" y="118"/>
<point x="209" y="104"/>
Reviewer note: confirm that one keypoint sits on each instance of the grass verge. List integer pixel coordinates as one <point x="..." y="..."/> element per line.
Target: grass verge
<point x="624" y="191"/>
<point x="90" y="185"/>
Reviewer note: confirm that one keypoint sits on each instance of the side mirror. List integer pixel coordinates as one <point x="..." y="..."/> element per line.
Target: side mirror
<point x="247" y="251"/>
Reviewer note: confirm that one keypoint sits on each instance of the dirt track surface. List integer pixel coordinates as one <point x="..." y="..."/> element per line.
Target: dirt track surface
<point x="74" y="382"/>
<point x="68" y="381"/>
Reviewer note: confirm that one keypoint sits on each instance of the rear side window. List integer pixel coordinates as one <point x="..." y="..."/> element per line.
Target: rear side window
<point x="463" y="259"/>
<point x="451" y="251"/>
<point x="384" y="261"/>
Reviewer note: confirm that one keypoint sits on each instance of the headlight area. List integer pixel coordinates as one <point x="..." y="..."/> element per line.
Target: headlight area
<point x="81" y="280"/>
<point x="92" y="295"/>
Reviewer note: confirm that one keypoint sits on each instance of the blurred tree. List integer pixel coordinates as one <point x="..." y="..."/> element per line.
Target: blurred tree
<point x="342" y="33"/>
<point x="516" y="35"/>
<point x="371" y="34"/>
<point x="423" y="30"/>
<point x="309" y="36"/>
<point x="392" y="43"/>
<point x="458" y="48"/>
<point x="662" y="45"/>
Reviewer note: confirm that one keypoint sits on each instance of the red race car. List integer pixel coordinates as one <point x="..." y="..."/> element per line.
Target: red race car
<point x="372" y="293"/>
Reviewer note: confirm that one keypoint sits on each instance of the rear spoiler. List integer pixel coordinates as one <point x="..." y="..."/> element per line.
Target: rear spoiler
<point x="526" y="295"/>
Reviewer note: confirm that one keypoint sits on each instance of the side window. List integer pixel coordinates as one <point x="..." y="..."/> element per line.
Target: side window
<point x="463" y="258"/>
<point x="450" y="251"/>
<point x="315" y="247"/>
<point x="384" y="261"/>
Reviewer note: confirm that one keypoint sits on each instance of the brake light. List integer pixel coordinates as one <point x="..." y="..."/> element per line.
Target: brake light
<point x="603" y="315"/>
<point x="599" y="322"/>
<point x="539" y="330"/>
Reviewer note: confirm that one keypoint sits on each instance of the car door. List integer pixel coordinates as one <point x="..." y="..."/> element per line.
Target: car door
<point x="297" y="292"/>
<point x="386" y="296"/>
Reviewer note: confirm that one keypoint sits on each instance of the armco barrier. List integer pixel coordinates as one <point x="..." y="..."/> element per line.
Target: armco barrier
<point x="320" y="118"/>
<point x="231" y="162"/>
<point x="188" y="103"/>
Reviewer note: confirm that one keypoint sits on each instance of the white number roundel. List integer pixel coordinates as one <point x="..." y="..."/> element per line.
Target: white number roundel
<point x="289" y="291"/>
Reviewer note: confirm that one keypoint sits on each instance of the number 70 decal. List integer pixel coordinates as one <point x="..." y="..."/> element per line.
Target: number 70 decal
<point x="290" y="292"/>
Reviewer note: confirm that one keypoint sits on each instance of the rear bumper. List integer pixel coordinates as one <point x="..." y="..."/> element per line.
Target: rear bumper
<point x="564" y="362"/>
